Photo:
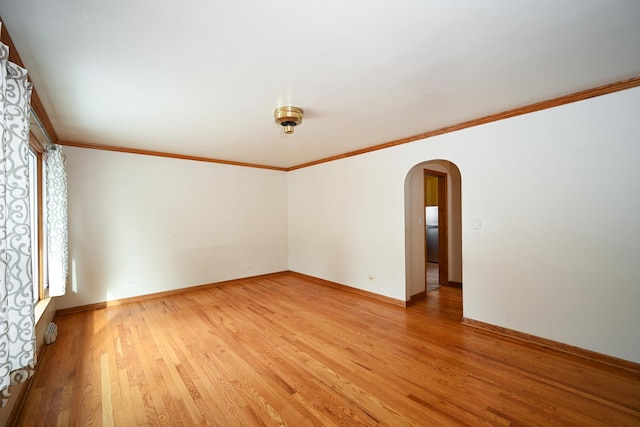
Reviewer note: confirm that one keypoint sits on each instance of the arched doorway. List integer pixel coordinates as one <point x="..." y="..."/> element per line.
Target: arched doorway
<point x="450" y="204"/>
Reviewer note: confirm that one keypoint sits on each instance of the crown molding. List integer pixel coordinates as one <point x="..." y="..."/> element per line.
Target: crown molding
<point x="543" y="105"/>
<point x="166" y="154"/>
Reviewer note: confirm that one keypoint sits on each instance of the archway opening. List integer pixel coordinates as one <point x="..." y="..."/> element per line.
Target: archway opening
<point x="418" y="226"/>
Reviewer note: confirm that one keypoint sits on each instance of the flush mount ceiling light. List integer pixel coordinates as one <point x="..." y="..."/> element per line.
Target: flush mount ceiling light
<point x="288" y="117"/>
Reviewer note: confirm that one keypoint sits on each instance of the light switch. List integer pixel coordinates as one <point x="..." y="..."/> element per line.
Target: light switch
<point x="476" y="223"/>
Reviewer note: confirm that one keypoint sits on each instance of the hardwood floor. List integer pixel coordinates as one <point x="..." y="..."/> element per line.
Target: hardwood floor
<point x="289" y="351"/>
<point x="433" y="276"/>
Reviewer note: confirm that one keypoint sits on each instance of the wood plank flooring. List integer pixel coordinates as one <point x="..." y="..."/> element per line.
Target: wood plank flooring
<point x="289" y="351"/>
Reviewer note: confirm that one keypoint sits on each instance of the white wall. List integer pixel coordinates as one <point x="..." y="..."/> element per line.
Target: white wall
<point x="345" y="225"/>
<point x="557" y="196"/>
<point x="168" y="224"/>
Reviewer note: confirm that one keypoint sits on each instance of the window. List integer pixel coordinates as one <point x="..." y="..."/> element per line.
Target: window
<point x="38" y="234"/>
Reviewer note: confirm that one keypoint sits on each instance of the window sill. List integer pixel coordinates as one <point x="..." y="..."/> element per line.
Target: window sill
<point x="41" y="307"/>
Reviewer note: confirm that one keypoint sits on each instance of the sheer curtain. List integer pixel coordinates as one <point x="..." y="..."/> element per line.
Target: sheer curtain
<point x="57" y="246"/>
<point x="17" y="333"/>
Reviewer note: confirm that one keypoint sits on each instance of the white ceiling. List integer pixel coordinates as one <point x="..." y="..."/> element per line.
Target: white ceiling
<point x="202" y="77"/>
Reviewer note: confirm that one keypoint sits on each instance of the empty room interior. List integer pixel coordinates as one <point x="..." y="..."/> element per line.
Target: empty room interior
<point x="325" y="213"/>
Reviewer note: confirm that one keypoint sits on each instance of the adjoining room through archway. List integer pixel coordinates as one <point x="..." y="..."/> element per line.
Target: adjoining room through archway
<point x="433" y="215"/>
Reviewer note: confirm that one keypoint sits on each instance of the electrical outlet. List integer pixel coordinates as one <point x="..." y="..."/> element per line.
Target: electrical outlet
<point x="248" y="266"/>
<point x="131" y="282"/>
<point x="372" y="277"/>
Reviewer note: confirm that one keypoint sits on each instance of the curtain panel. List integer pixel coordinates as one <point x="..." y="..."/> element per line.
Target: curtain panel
<point x="17" y="332"/>
<point x="56" y="196"/>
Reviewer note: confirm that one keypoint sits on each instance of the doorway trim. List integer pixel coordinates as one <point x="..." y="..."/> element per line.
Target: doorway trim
<point x="443" y="227"/>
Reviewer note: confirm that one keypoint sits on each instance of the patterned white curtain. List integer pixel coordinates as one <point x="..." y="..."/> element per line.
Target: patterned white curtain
<point x="17" y="333"/>
<point x="56" y="194"/>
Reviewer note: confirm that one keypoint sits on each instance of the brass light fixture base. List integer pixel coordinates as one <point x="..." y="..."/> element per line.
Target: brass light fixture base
<point x="288" y="117"/>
